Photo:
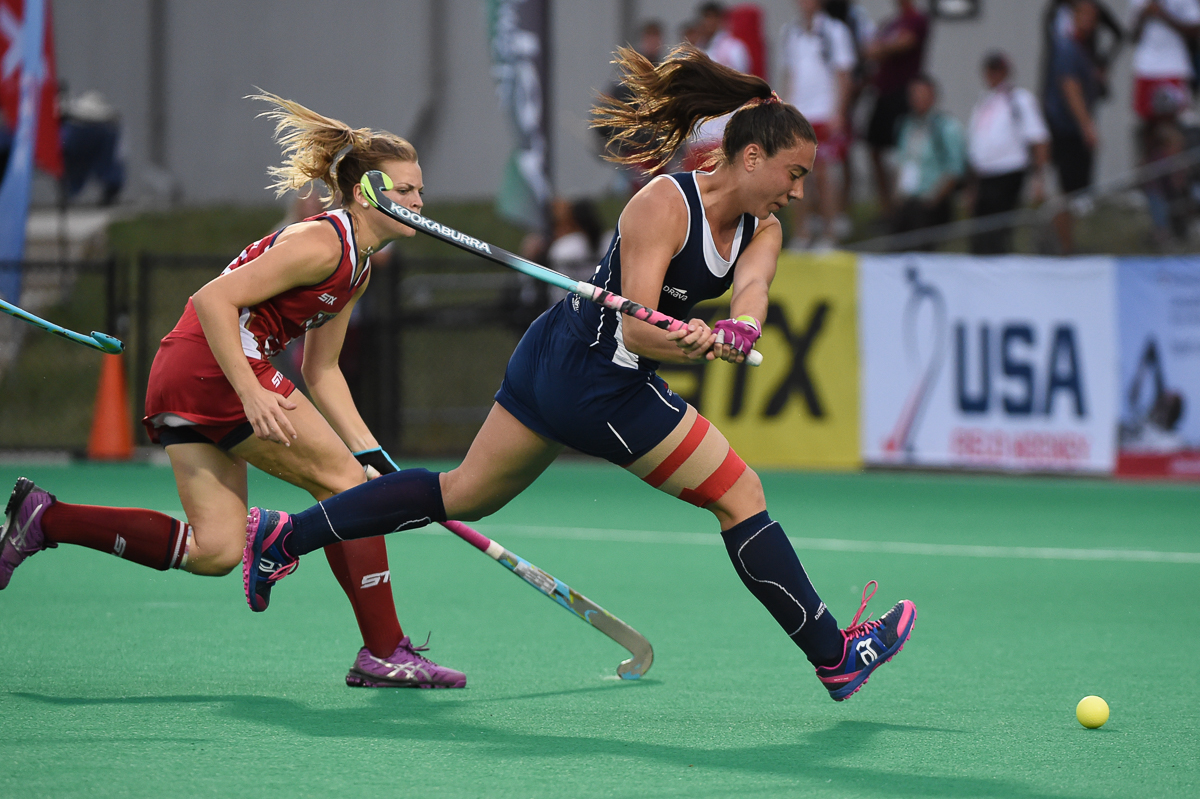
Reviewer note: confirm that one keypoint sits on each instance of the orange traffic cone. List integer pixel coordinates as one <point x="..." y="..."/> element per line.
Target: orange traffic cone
<point x="112" y="432"/>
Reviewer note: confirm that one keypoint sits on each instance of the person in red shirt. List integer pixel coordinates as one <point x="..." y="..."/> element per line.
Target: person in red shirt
<point x="898" y="56"/>
<point x="216" y="403"/>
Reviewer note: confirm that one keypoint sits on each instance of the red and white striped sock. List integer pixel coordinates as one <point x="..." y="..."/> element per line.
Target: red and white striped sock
<point x="143" y="536"/>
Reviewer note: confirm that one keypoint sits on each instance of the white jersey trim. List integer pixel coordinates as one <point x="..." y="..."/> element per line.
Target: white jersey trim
<point x="622" y="356"/>
<point x="249" y="342"/>
<point x="343" y="216"/>
<point x="717" y="265"/>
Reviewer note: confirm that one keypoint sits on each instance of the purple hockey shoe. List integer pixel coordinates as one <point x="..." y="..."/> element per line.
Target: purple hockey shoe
<point x="404" y="668"/>
<point x="22" y="534"/>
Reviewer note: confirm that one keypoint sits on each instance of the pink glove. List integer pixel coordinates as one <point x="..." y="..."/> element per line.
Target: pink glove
<point x="740" y="333"/>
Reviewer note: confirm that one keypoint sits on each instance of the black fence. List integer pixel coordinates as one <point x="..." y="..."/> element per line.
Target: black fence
<point x="424" y="353"/>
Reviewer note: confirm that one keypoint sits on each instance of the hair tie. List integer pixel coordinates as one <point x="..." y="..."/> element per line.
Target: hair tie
<point x="757" y="101"/>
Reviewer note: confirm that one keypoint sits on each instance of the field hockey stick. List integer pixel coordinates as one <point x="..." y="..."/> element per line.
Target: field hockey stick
<point x="374" y="183"/>
<point x="569" y="598"/>
<point x="97" y="341"/>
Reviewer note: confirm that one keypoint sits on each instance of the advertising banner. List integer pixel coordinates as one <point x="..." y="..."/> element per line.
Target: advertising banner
<point x="1159" y="323"/>
<point x="800" y="408"/>
<point x="997" y="363"/>
<point x="519" y="35"/>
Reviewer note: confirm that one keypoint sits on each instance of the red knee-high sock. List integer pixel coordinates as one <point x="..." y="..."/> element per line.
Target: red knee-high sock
<point x="361" y="566"/>
<point x="143" y="536"/>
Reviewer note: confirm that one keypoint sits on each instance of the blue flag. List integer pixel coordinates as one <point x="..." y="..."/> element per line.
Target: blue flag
<point x="24" y="53"/>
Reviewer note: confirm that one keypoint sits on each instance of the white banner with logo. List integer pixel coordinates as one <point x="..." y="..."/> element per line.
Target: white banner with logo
<point x="997" y="363"/>
<point x="1160" y="367"/>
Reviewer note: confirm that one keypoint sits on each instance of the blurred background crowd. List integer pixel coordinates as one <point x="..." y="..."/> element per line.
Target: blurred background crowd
<point x="897" y="167"/>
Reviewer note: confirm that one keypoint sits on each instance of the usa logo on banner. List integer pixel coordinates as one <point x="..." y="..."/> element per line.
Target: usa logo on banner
<point x="1000" y="363"/>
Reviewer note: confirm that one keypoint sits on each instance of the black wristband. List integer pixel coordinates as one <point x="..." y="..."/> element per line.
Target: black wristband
<point x="377" y="459"/>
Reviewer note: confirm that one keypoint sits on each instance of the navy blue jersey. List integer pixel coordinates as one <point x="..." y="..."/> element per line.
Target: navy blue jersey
<point x="697" y="272"/>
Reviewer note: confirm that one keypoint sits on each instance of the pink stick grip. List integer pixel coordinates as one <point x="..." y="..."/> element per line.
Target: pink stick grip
<point x="475" y="539"/>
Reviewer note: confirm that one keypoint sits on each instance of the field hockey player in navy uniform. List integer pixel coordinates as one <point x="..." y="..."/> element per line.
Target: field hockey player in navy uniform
<point x="216" y="403"/>
<point x="585" y="377"/>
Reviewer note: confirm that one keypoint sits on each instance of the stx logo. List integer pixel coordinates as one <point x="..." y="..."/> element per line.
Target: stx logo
<point x="372" y="580"/>
<point x="866" y="652"/>
<point x="277" y="379"/>
<point x="119" y="547"/>
<point x="328" y="299"/>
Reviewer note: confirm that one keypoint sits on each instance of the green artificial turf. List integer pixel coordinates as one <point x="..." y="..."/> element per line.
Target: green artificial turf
<point x="120" y="681"/>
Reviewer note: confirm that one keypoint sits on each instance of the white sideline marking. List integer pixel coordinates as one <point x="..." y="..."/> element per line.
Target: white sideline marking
<point x="821" y="544"/>
<point x="843" y="545"/>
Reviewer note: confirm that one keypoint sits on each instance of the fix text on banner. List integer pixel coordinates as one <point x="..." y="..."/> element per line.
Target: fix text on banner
<point x="800" y="408"/>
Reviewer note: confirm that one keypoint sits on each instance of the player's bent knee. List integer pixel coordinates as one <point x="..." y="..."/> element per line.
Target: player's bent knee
<point x="743" y="499"/>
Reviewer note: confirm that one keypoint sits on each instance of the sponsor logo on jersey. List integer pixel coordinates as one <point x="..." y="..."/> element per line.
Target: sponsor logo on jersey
<point x="277" y="379"/>
<point x="678" y="294"/>
<point x="372" y="580"/>
<point x="327" y="298"/>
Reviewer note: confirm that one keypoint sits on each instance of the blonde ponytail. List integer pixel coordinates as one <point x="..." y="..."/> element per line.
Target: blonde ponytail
<point x="316" y="147"/>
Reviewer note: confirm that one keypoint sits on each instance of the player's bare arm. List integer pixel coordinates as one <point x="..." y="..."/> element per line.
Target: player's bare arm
<point x="653" y="227"/>
<point x="752" y="281"/>
<point x="327" y="385"/>
<point x="301" y="256"/>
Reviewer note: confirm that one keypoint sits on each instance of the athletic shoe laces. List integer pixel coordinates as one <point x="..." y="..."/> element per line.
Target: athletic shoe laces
<point x="413" y="650"/>
<point x="283" y="571"/>
<point x="868" y="624"/>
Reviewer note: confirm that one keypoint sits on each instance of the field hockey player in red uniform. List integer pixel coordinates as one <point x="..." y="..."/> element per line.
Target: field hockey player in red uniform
<point x="216" y="403"/>
<point x="585" y="376"/>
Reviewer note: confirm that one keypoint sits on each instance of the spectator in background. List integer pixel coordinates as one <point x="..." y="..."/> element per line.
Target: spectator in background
<point x="726" y="49"/>
<point x="1006" y="136"/>
<point x="1162" y="63"/>
<point x="898" y="56"/>
<point x="930" y="160"/>
<point x="575" y="248"/>
<point x="91" y="136"/>
<point x="629" y="178"/>
<point x="1166" y="33"/>
<point x="650" y="41"/>
<point x="1072" y="89"/>
<point x="1058" y="21"/>
<point x="862" y="28"/>
<point x="819" y="56"/>
<point x="718" y="43"/>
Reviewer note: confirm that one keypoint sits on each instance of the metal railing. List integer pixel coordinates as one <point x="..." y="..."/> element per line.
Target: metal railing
<point x="424" y="353"/>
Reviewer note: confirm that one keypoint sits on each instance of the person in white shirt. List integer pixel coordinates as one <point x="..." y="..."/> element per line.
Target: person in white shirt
<point x="719" y="44"/>
<point x="819" y="57"/>
<point x="1006" y="136"/>
<point x="726" y="49"/>
<point x="1162" y="65"/>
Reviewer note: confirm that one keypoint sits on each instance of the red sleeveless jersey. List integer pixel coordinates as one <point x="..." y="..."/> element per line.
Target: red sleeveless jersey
<point x="186" y="384"/>
<point x="267" y="328"/>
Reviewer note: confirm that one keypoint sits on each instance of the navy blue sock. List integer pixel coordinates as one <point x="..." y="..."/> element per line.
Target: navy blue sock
<point x="767" y="564"/>
<point x="398" y="501"/>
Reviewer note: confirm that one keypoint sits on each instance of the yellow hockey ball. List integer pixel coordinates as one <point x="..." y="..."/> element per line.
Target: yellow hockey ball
<point x="1092" y="712"/>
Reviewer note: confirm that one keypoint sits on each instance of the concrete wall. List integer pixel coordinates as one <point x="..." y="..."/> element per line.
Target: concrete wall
<point x="368" y="61"/>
